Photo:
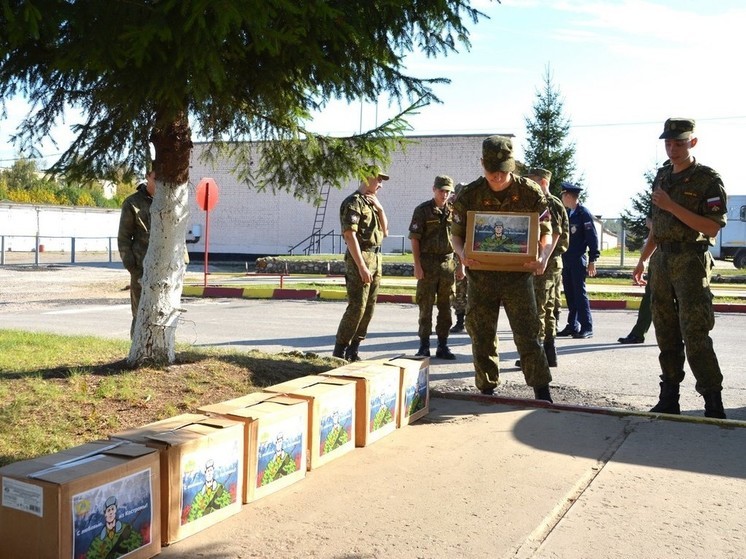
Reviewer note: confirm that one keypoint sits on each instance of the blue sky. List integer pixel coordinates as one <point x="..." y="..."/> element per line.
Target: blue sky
<point x="622" y="67"/>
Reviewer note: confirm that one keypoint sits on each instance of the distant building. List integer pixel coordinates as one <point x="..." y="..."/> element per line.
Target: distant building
<point x="249" y="223"/>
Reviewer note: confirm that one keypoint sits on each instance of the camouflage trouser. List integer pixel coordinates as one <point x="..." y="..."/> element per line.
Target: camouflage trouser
<point x="361" y="298"/>
<point x="135" y="293"/>
<point x="546" y="287"/>
<point x="683" y="317"/>
<point x="557" y="299"/>
<point x="459" y="298"/>
<point x="487" y="290"/>
<point x="437" y="285"/>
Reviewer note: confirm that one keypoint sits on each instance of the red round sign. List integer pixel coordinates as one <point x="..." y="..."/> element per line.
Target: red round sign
<point x="207" y="194"/>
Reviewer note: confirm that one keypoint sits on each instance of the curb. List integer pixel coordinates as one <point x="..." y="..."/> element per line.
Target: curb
<point x="541" y="404"/>
<point x="336" y="295"/>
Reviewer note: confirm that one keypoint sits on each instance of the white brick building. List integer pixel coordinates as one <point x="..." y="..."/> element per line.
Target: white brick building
<point x="246" y="222"/>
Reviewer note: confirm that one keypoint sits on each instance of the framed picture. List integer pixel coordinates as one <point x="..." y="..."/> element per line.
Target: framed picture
<point x="502" y="241"/>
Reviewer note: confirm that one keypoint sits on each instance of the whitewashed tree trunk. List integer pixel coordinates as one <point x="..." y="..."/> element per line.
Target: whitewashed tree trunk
<point x="154" y="337"/>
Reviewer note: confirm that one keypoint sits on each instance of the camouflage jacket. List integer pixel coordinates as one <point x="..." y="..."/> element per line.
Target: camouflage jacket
<point x="560" y="224"/>
<point x="134" y="229"/>
<point x="432" y="226"/>
<point x="360" y="216"/>
<point x="522" y="195"/>
<point x="700" y="190"/>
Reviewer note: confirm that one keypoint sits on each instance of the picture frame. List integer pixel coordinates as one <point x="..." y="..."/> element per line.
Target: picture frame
<point x="502" y="241"/>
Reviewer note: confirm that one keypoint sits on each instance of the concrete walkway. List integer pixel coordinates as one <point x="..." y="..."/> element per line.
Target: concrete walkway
<point x="478" y="478"/>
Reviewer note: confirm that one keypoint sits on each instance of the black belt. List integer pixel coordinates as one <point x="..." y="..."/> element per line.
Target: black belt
<point x="372" y="249"/>
<point x="680" y="246"/>
<point x="438" y="257"/>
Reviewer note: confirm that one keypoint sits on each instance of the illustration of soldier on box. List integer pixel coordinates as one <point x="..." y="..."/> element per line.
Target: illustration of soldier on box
<point x="114" y="519"/>
<point x="336" y="430"/>
<point x="491" y="236"/>
<point x="416" y="396"/>
<point x="280" y="457"/>
<point x="211" y="488"/>
<point x="383" y="408"/>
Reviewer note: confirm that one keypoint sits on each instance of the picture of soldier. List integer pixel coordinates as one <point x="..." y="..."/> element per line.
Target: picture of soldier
<point x="117" y="538"/>
<point x="212" y="495"/>
<point x="498" y="240"/>
<point x="338" y="434"/>
<point x="281" y="464"/>
<point x="384" y="412"/>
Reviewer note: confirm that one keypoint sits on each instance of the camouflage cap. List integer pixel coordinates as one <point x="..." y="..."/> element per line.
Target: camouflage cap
<point x="677" y="129"/>
<point x="443" y="182"/>
<point x="497" y="154"/>
<point x="376" y="171"/>
<point x="539" y="173"/>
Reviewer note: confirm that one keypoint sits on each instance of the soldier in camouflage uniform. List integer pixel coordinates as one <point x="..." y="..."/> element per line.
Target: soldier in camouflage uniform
<point x="499" y="190"/>
<point x="547" y="284"/>
<point x="212" y="495"/>
<point x="688" y="210"/>
<point x="134" y="235"/>
<point x="434" y="267"/>
<point x="499" y="242"/>
<point x="459" y="299"/>
<point x="364" y="226"/>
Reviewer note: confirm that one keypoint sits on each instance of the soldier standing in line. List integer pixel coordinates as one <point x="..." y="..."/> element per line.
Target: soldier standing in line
<point x="364" y="226"/>
<point x="459" y="298"/>
<point x="434" y="267"/>
<point x="688" y="211"/>
<point x="499" y="190"/>
<point x="546" y="284"/>
<point x="578" y="261"/>
<point x="133" y="237"/>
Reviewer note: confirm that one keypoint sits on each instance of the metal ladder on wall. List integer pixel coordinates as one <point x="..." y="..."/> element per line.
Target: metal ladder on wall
<point x="318" y="221"/>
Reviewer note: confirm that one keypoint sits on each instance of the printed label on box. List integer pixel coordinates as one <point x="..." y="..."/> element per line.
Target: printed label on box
<point x="336" y="424"/>
<point x="383" y="394"/>
<point x="281" y="450"/>
<point x="114" y="519"/>
<point x="209" y="480"/>
<point x="415" y="395"/>
<point x="23" y="496"/>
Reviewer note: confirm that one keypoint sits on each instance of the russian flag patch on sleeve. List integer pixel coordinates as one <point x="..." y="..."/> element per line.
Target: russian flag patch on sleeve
<point x="714" y="204"/>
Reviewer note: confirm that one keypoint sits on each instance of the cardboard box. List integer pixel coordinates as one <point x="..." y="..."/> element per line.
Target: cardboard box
<point x="331" y="414"/>
<point x="377" y="398"/>
<point x="58" y="506"/>
<point x="202" y="470"/>
<point x="275" y="439"/>
<point x="414" y="389"/>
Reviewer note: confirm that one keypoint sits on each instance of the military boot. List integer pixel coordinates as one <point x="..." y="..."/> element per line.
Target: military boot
<point x="542" y="393"/>
<point x="339" y="350"/>
<point x="351" y="352"/>
<point x="424" y="350"/>
<point x="714" y="405"/>
<point x="668" y="402"/>
<point x="443" y="352"/>
<point x="459" y="326"/>
<point x="550" y="351"/>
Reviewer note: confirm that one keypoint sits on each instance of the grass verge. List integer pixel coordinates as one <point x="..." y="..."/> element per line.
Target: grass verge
<point x="57" y="392"/>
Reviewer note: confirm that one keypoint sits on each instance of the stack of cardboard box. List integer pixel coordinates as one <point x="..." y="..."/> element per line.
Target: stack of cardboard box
<point x="162" y="482"/>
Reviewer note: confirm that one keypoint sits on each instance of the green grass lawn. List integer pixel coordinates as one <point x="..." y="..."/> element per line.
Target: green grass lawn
<point x="57" y="392"/>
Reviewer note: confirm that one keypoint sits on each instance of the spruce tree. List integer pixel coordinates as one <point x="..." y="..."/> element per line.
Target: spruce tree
<point x="547" y="143"/>
<point x="634" y="218"/>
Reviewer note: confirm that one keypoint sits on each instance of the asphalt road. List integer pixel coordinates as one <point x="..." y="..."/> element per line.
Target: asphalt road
<point x="600" y="368"/>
